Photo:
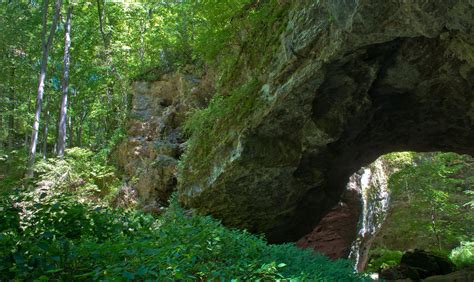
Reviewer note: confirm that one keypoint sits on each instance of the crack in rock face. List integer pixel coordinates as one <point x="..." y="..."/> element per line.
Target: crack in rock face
<point x="375" y="78"/>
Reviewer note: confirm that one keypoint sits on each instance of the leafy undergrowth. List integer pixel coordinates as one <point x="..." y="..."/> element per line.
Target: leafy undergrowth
<point x="12" y="168"/>
<point x="54" y="236"/>
<point x="61" y="228"/>
<point x="82" y="172"/>
<point x="382" y="259"/>
<point x="463" y="255"/>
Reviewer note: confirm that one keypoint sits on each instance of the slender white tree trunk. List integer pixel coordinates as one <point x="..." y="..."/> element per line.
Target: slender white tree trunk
<point x="46" y="44"/>
<point x="45" y="131"/>
<point x="65" y="86"/>
<point x="11" y="116"/>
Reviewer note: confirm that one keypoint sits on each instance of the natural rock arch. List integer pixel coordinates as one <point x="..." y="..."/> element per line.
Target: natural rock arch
<point x="353" y="80"/>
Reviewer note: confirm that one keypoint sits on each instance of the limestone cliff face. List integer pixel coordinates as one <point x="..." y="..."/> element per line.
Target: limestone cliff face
<point x="149" y="154"/>
<point x="350" y="81"/>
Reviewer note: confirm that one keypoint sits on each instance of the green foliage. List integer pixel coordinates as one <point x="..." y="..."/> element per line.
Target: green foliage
<point x="12" y="168"/>
<point x="399" y="159"/>
<point x="81" y="172"/>
<point x="230" y="26"/>
<point x="115" y="139"/>
<point x="383" y="258"/>
<point x="433" y="189"/>
<point x="40" y="233"/>
<point x="428" y="206"/>
<point x="463" y="255"/>
<point x="222" y="109"/>
<point x="140" y="40"/>
<point x="54" y="236"/>
<point x="470" y="202"/>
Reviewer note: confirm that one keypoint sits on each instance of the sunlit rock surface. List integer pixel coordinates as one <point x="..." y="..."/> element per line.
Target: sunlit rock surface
<point x="154" y="142"/>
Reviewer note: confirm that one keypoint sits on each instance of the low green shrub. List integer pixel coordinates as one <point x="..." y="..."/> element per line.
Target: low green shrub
<point x="44" y="234"/>
<point x="463" y="255"/>
<point x="383" y="258"/>
<point x="56" y="237"/>
<point x="80" y="172"/>
<point x="104" y="154"/>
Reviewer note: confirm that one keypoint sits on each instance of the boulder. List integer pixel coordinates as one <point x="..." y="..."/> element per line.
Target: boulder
<point x="401" y="272"/>
<point x="463" y="275"/>
<point x="418" y="264"/>
<point x="433" y="264"/>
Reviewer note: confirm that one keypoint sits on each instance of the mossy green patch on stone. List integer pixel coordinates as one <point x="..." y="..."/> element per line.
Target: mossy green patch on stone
<point x="217" y="125"/>
<point x="215" y="129"/>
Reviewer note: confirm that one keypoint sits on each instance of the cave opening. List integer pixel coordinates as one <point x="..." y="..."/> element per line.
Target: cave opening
<point x="397" y="96"/>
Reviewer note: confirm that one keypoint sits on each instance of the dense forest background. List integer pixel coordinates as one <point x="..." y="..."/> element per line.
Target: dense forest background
<point x="65" y="84"/>
<point x="111" y="44"/>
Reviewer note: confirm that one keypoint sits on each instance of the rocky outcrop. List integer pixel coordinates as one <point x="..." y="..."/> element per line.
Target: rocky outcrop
<point x="154" y="140"/>
<point x="351" y="80"/>
<point x="464" y="275"/>
<point x="418" y="264"/>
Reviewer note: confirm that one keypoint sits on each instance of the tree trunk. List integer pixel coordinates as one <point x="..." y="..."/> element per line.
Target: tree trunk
<point x="46" y="44"/>
<point x="434" y="227"/>
<point x="11" y="130"/>
<point x="71" y="131"/>
<point x="79" y="136"/>
<point x="108" y="58"/>
<point x="45" y="132"/>
<point x="25" y="142"/>
<point x="80" y="122"/>
<point x="71" y="123"/>
<point x="108" y="61"/>
<point x="11" y="116"/>
<point x="141" y="50"/>
<point x="65" y="86"/>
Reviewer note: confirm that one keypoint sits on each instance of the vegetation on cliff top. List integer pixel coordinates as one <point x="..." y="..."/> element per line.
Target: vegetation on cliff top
<point x="243" y="62"/>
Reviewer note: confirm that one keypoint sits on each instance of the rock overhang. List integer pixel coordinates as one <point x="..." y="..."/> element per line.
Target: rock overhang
<point x="353" y="80"/>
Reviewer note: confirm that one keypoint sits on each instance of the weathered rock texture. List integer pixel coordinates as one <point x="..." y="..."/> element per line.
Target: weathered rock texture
<point x="352" y="80"/>
<point x="149" y="154"/>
